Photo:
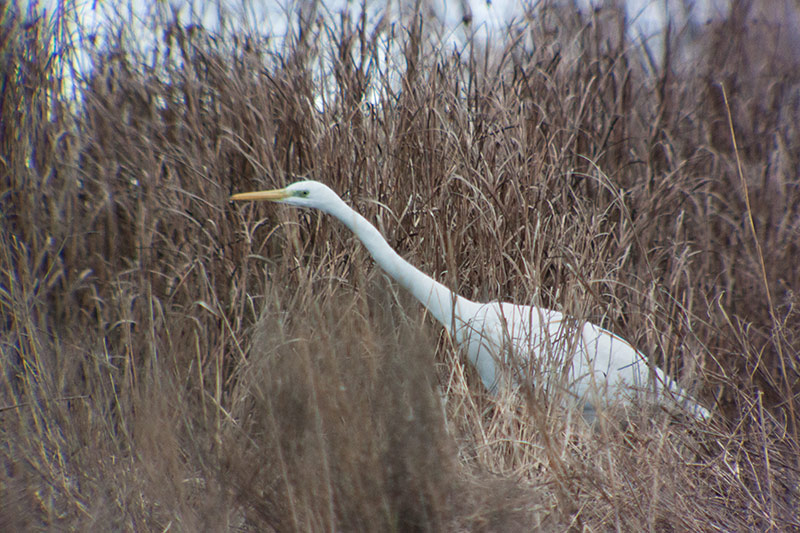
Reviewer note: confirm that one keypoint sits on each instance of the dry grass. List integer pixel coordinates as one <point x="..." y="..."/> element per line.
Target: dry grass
<point x="173" y="362"/>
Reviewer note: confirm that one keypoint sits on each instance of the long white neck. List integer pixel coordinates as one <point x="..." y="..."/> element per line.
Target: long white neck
<point x="437" y="298"/>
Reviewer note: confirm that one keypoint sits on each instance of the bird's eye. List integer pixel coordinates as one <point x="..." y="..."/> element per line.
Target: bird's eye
<point x="304" y="194"/>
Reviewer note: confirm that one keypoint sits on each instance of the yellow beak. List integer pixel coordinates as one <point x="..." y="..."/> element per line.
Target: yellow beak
<point x="273" y="195"/>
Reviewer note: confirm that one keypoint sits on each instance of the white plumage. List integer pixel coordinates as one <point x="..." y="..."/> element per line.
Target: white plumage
<point x="603" y="368"/>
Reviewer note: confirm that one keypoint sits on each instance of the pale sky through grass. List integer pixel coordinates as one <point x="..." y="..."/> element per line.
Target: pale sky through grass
<point x="276" y="21"/>
<point x="271" y="19"/>
<point x="487" y="17"/>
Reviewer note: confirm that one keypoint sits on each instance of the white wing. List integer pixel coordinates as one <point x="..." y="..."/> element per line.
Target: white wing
<point x="593" y="365"/>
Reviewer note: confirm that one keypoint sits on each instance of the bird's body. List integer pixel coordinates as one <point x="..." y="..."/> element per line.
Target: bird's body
<point x="595" y="366"/>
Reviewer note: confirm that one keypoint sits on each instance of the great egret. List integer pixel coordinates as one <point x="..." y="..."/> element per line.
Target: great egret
<point x="496" y="335"/>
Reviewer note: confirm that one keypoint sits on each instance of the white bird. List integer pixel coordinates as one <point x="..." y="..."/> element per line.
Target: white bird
<point x="497" y="336"/>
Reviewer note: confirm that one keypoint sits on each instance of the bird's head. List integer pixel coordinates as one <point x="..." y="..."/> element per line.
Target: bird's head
<point x="311" y="194"/>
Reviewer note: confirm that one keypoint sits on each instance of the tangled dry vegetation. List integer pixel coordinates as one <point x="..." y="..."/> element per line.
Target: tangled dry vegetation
<point x="173" y="362"/>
